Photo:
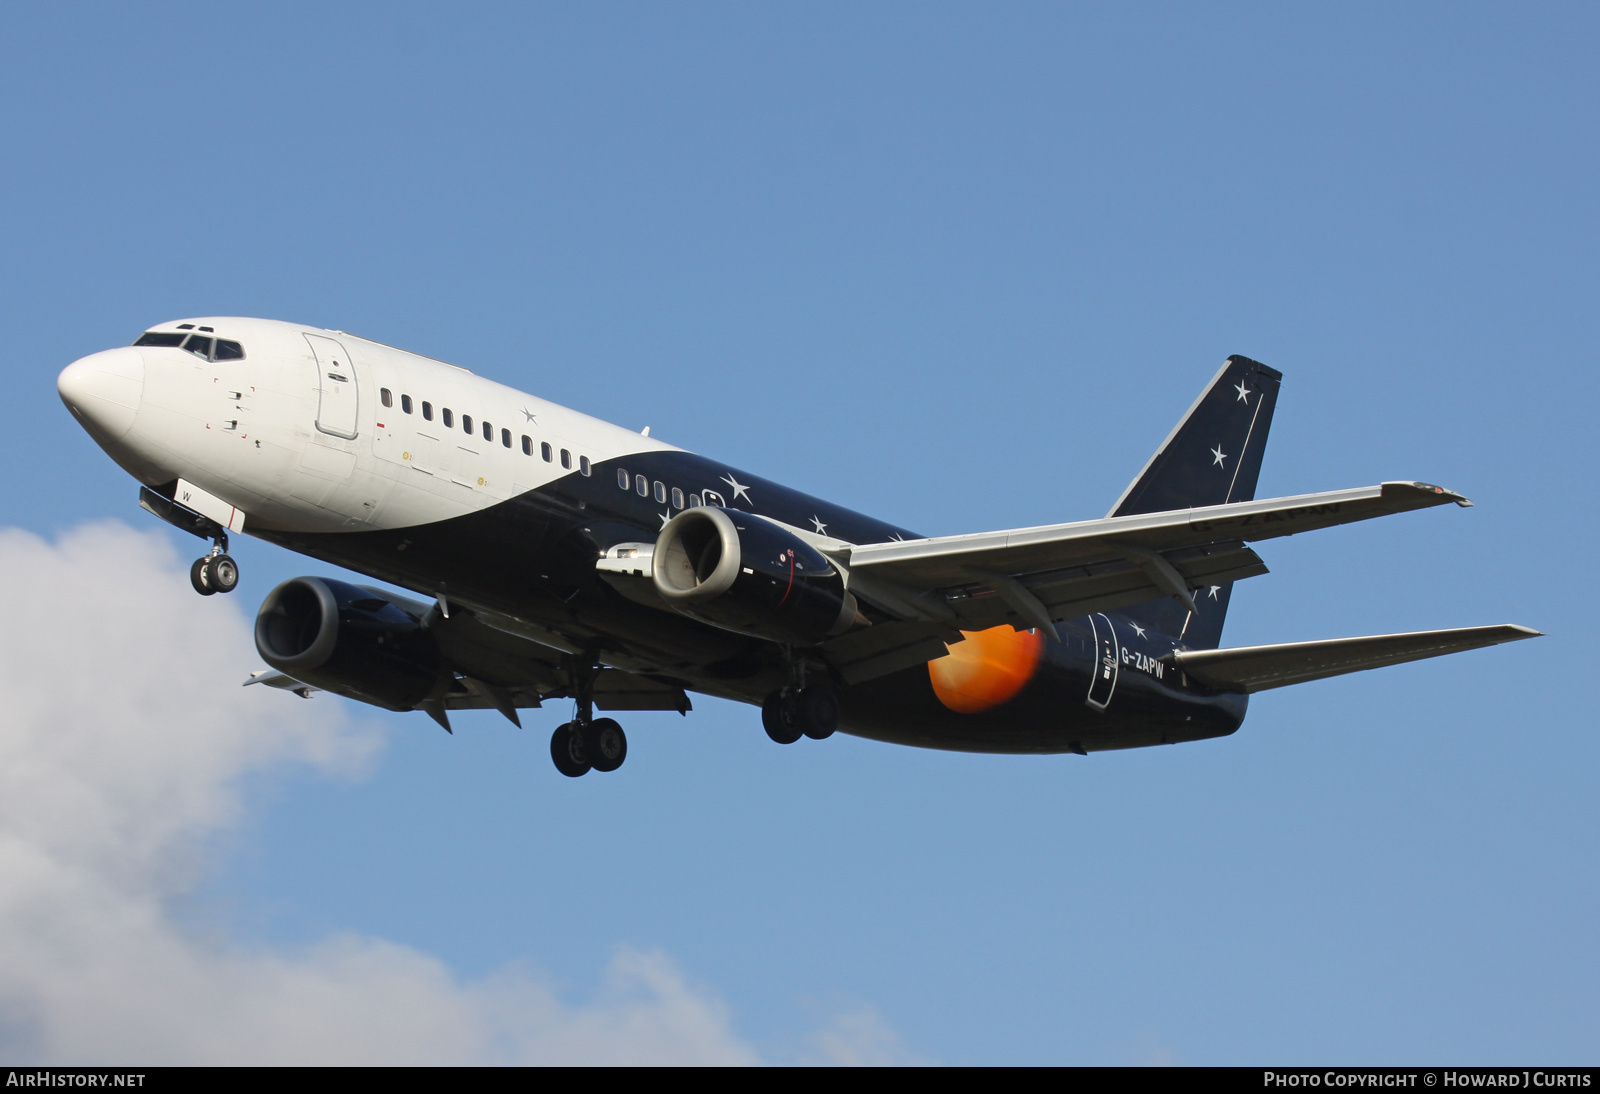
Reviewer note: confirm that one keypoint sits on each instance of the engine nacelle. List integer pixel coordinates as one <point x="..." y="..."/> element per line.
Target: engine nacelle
<point x="740" y="572"/>
<point x="350" y="641"/>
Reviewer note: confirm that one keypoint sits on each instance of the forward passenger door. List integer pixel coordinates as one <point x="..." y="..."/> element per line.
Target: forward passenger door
<point x="338" y="394"/>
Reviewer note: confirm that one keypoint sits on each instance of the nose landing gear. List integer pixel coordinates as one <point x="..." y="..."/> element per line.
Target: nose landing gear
<point x="216" y="572"/>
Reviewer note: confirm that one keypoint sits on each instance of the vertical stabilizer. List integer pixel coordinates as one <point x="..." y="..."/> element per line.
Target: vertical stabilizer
<point x="1212" y="457"/>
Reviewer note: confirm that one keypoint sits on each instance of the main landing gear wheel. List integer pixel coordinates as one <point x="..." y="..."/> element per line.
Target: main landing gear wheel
<point x="809" y="712"/>
<point x="605" y="744"/>
<point x="817" y="711"/>
<point x="587" y="742"/>
<point x="578" y="747"/>
<point x="775" y="722"/>
<point x="568" y="751"/>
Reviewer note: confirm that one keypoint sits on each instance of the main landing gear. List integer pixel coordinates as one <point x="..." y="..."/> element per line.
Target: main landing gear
<point x="216" y="572"/>
<point x="792" y="713"/>
<point x="588" y="742"/>
<point x="578" y="746"/>
<point x="801" y="709"/>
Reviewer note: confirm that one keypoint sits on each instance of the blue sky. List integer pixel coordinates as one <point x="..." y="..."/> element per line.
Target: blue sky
<point x="961" y="267"/>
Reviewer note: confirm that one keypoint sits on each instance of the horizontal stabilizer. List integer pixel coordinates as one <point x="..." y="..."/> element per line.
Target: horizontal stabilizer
<point x="1257" y="668"/>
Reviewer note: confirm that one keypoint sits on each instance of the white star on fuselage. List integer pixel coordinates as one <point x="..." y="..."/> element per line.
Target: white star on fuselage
<point x="665" y="517"/>
<point x="822" y="529"/>
<point x="1138" y="630"/>
<point x="738" y="490"/>
<point x="1220" y="456"/>
<point x="1215" y="589"/>
<point x="1244" y="392"/>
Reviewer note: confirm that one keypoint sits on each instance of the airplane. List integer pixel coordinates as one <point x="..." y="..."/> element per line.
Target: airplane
<point x="560" y="557"/>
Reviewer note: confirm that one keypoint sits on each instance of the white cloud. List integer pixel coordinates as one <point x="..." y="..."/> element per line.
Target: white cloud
<point x="124" y="738"/>
<point x="860" y="1038"/>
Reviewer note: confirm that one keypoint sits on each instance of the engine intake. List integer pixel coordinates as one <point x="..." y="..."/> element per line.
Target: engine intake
<point x="743" y="573"/>
<point x="348" y="640"/>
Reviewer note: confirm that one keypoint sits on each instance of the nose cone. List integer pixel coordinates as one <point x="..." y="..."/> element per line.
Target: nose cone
<point x="103" y="391"/>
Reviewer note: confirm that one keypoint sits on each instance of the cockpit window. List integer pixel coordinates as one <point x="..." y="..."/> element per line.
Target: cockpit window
<point x="161" y="338"/>
<point x="198" y="344"/>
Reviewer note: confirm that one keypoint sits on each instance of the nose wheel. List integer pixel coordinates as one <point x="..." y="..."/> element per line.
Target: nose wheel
<point x="215" y="573"/>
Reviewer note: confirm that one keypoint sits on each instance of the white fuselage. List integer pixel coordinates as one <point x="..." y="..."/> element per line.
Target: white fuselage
<point x="297" y="435"/>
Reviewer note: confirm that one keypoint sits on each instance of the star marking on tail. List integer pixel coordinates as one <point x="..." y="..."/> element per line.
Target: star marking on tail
<point x="739" y="491"/>
<point x="1219" y="456"/>
<point x="1138" y="630"/>
<point x="1244" y="392"/>
<point x="822" y="529"/>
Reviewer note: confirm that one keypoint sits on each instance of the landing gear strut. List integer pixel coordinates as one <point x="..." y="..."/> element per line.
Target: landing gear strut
<point x="216" y="572"/>
<point x="800" y="710"/>
<point x="588" y="742"/>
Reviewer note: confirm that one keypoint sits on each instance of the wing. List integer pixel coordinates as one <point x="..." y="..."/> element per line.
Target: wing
<point x="1031" y="577"/>
<point x="1257" y="668"/>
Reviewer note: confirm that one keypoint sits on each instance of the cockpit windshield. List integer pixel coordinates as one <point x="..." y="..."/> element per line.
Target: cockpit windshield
<point x="201" y="345"/>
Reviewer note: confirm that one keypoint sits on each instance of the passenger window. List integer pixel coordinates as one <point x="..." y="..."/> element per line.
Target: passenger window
<point x="199" y="345"/>
<point x="661" y="490"/>
<point x="527" y="445"/>
<point x="566" y="459"/>
<point x="583" y="466"/>
<point x="387" y="399"/>
<point x="622" y="477"/>
<point x="505" y="437"/>
<point x="677" y="498"/>
<point x="160" y="338"/>
<point x="447" y="418"/>
<point x="546" y="452"/>
<point x="642" y="486"/>
<point x="229" y="351"/>
<point x="694" y="501"/>
<point x="405" y="403"/>
<point x="466" y="423"/>
<point x="427" y="412"/>
<point x="488" y="431"/>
